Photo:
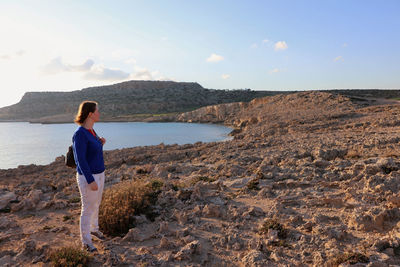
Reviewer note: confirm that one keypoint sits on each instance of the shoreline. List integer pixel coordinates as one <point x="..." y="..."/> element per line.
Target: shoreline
<point x="228" y="137"/>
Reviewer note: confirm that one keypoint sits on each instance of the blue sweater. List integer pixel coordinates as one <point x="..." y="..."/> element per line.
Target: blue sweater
<point x="88" y="154"/>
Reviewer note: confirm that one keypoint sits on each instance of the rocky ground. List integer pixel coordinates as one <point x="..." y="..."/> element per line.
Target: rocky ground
<point x="322" y="168"/>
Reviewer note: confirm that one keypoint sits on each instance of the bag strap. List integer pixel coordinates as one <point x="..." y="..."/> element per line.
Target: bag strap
<point x="96" y="134"/>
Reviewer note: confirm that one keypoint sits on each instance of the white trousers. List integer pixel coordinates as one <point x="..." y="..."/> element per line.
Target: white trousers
<point x="90" y="200"/>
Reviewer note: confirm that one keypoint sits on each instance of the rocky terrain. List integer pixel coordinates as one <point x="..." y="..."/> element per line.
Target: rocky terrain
<point x="127" y="101"/>
<point x="309" y="179"/>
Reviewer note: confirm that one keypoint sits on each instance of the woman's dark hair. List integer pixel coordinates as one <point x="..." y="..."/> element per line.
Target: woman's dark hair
<point x="83" y="112"/>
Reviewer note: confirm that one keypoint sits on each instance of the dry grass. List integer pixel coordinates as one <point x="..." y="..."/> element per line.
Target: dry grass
<point x="202" y="178"/>
<point x="353" y="154"/>
<point x="123" y="201"/>
<point x="69" y="256"/>
<point x="253" y="184"/>
<point x="67" y="217"/>
<point x="273" y="224"/>
<point x="74" y="200"/>
<point x="350" y="258"/>
<point x="144" y="169"/>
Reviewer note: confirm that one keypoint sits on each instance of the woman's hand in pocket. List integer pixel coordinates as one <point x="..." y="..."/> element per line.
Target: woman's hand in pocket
<point x="93" y="186"/>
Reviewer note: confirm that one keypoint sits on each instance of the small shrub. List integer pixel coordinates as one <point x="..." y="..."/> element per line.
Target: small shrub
<point x="201" y="178"/>
<point x="274" y="225"/>
<point x="260" y="175"/>
<point x="47" y="227"/>
<point x="351" y="258"/>
<point x="177" y="186"/>
<point x="143" y="169"/>
<point x="5" y="210"/>
<point x="383" y="245"/>
<point x="123" y="201"/>
<point x="66" y="218"/>
<point x="280" y="243"/>
<point x="74" y="200"/>
<point x="253" y="185"/>
<point x="140" y="171"/>
<point x="156" y="185"/>
<point x="69" y="256"/>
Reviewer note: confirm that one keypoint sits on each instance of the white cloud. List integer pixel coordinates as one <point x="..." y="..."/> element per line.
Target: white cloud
<point x="339" y="58"/>
<point x="145" y="74"/>
<point x="141" y="74"/>
<point x="225" y="76"/>
<point x="13" y="55"/>
<point x="253" y="46"/>
<point x="101" y="73"/>
<point x="5" y="57"/>
<point x="131" y="61"/>
<point x="276" y="70"/>
<point x="281" y="45"/>
<point x="162" y="78"/>
<point x="215" y="58"/>
<point x="87" y="65"/>
<point x="265" y="41"/>
<point x="56" y="65"/>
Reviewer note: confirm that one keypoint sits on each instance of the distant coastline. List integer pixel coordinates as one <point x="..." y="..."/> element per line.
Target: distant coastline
<point x="127" y="101"/>
<point x="150" y="101"/>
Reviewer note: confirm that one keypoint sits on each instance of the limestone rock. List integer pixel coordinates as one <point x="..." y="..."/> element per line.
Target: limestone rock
<point x="329" y="154"/>
<point x="189" y="249"/>
<point x="375" y="219"/>
<point x="212" y="210"/>
<point x="6" y="223"/>
<point x="255" y="258"/>
<point x="132" y="235"/>
<point x="6" y="198"/>
<point x="6" y="261"/>
<point x="237" y="183"/>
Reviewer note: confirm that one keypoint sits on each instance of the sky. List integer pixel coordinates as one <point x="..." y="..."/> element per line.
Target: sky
<point x="68" y="45"/>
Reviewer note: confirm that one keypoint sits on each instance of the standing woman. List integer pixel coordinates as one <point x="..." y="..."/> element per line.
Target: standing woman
<point x="88" y="154"/>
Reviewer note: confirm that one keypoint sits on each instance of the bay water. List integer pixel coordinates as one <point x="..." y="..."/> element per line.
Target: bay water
<point x="23" y="143"/>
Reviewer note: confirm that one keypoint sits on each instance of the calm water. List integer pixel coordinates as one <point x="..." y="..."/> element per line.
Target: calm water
<point x="23" y="143"/>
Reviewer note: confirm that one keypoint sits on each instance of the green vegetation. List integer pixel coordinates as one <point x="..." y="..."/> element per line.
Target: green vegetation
<point x="47" y="227"/>
<point x="273" y="224"/>
<point x="202" y="178"/>
<point x="74" y="200"/>
<point x="350" y="257"/>
<point x="66" y="218"/>
<point x="5" y="210"/>
<point x="69" y="256"/>
<point x="253" y="185"/>
<point x="156" y="184"/>
<point x="123" y="201"/>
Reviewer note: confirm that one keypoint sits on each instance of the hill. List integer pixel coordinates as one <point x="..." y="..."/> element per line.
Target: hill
<point x="127" y="101"/>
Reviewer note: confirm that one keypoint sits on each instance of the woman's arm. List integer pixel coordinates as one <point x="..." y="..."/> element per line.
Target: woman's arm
<point x="79" y="147"/>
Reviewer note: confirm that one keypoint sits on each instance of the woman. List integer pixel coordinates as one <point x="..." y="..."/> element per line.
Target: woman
<point x="88" y="154"/>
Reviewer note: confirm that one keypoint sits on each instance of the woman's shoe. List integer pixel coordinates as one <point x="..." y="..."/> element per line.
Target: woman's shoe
<point x="98" y="234"/>
<point x="89" y="248"/>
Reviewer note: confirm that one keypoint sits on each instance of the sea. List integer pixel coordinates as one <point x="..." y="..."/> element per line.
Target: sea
<point x="23" y="143"/>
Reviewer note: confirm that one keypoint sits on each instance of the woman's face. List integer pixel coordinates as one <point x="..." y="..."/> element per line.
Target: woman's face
<point x="96" y="115"/>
